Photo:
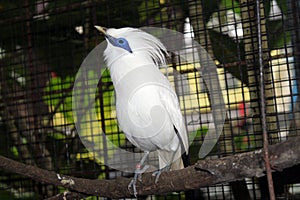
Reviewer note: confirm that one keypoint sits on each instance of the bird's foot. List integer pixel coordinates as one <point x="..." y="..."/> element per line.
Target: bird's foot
<point x="132" y="185"/>
<point x="158" y="172"/>
<point x="137" y="176"/>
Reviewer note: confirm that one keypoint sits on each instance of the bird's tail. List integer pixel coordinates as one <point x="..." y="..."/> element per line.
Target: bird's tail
<point x="177" y="164"/>
<point x="171" y="159"/>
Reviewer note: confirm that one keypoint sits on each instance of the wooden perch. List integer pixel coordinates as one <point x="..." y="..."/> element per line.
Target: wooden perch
<point x="203" y="173"/>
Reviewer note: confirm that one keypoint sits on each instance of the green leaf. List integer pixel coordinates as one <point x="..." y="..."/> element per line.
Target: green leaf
<point x="278" y="37"/>
<point x="228" y="51"/>
<point x="229" y="4"/>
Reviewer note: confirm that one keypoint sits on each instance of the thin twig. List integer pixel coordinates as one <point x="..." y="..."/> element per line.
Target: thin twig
<point x="263" y="104"/>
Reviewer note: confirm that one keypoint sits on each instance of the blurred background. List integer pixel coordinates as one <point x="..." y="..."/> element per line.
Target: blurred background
<point x="43" y="43"/>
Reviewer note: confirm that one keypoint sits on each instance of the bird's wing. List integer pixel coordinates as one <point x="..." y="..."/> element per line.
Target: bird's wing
<point x="124" y="121"/>
<point x="173" y="108"/>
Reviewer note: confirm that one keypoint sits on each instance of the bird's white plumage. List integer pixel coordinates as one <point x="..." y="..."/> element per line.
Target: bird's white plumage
<point x="148" y="110"/>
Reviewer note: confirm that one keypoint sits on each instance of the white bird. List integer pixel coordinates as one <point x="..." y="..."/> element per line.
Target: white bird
<point x="147" y="106"/>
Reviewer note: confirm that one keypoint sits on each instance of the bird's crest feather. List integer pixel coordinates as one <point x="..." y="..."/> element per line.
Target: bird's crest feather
<point x="140" y="42"/>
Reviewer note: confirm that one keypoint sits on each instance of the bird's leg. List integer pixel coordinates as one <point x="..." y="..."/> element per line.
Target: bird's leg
<point x="166" y="168"/>
<point x="138" y="172"/>
<point x="158" y="172"/>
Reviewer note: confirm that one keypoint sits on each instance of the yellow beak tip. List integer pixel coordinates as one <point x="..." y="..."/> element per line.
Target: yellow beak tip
<point x="101" y="29"/>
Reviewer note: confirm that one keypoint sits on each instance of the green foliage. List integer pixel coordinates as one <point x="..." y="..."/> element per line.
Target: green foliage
<point x="58" y="96"/>
<point x="196" y="144"/>
<point x="244" y="142"/>
<point x="209" y="7"/>
<point x="278" y="36"/>
<point x="6" y="195"/>
<point x="145" y="12"/>
<point x="227" y="50"/>
<point x="231" y="4"/>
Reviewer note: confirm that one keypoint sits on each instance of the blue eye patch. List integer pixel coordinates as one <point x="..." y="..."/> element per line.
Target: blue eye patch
<point x="119" y="42"/>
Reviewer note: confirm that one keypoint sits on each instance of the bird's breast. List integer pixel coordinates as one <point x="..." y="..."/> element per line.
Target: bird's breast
<point x="141" y="112"/>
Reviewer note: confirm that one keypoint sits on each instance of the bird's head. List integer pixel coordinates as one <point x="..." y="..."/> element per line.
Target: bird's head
<point x="132" y="41"/>
<point x="114" y="38"/>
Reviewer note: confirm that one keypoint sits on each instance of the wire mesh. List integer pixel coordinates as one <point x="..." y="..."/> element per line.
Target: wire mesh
<point x="44" y="42"/>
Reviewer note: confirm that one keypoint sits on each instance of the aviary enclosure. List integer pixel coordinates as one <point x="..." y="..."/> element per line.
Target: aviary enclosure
<point x="255" y="48"/>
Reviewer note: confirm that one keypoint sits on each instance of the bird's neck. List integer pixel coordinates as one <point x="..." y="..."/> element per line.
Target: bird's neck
<point x="121" y="67"/>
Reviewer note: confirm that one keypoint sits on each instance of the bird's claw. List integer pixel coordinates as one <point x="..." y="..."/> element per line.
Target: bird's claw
<point x="137" y="176"/>
<point x="157" y="175"/>
<point x="133" y="185"/>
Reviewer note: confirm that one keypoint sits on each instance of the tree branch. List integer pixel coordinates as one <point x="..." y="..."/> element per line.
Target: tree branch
<point x="203" y="173"/>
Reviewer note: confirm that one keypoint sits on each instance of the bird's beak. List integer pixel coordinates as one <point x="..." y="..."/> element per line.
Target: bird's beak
<point x="101" y="29"/>
<point x="107" y="37"/>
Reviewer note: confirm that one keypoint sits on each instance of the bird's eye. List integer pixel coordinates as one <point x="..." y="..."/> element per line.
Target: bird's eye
<point x="120" y="41"/>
